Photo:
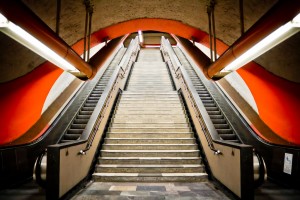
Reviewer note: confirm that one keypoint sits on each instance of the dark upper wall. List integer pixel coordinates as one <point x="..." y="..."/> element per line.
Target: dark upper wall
<point x="17" y="61"/>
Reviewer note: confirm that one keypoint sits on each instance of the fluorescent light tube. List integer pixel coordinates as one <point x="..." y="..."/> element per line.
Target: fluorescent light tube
<point x="24" y="38"/>
<point x="278" y="36"/>
<point x="140" y="34"/>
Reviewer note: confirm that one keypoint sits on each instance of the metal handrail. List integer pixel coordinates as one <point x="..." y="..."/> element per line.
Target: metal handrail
<point x="91" y="131"/>
<point x="180" y="73"/>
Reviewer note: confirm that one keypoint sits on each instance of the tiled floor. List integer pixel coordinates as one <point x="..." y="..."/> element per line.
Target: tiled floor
<point x="149" y="191"/>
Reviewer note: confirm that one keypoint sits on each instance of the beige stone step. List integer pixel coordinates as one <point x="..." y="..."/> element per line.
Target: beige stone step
<point x="149" y="130"/>
<point x="150" y="125"/>
<point x="149" y="153"/>
<point x="147" y="109"/>
<point x="149" y="168"/>
<point x="148" y="120"/>
<point x="149" y="160"/>
<point x="150" y="141"/>
<point x="149" y="146"/>
<point x="149" y="112"/>
<point x="149" y="135"/>
<point x="151" y="116"/>
<point x="150" y="177"/>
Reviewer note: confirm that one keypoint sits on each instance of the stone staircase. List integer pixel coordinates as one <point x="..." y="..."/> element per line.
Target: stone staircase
<point x="149" y="138"/>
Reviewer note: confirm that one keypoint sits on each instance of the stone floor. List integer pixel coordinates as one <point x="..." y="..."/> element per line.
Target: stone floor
<point x="185" y="191"/>
<point x="149" y="191"/>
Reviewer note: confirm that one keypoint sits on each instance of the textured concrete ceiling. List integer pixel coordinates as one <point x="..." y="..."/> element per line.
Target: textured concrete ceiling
<point x="17" y="60"/>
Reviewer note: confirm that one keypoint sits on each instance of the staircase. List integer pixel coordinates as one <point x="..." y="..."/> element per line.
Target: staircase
<point x="149" y="138"/>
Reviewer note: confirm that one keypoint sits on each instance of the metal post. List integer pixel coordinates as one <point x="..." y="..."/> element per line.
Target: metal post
<point x="214" y="30"/>
<point x="85" y="31"/>
<point x="242" y="16"/>
<point x="89" y="33"/>
<point x="210" y="34"/>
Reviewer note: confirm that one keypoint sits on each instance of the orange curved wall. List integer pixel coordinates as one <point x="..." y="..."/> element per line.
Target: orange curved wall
<point x="22" y="101"/>
<point x="277" y="100"/>
<point x="275" y="97"/>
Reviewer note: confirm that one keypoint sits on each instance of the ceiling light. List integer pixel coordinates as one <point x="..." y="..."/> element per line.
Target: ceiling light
<point x="140" y="34"/>
<point x="276" y="37"/>
<point x="24" y="38"/>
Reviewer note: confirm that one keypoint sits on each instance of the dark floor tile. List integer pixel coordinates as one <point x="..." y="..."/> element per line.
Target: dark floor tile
<point x="187" y="194"/>
<point x="150" y="188"/>
<point x="149" y="198"/>
<point x="200" y="186"/>
<point x="206" y="193"/>
<point x="99" y="192"/>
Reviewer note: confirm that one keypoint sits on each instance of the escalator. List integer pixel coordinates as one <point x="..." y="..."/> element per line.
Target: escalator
<point x="219" y="120"/>
<point x="79" y="122"/>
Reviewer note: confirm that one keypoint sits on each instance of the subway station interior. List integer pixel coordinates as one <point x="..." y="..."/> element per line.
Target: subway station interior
<point x="172" y="99"/>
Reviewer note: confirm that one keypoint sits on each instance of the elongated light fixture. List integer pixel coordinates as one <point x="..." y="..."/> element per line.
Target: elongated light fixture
<point x="24" y="38"/>
<point x="276" y="37"/>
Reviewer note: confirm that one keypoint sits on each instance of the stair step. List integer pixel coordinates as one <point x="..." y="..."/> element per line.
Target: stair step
<point x="149" y="146"/>
<point x="149" y="125"/>
<point x="149" y="160"/>
<point x="150" y="141"/>
<point x="149" y="135"/>
<point x="149" y="130"/>
<point x="150" y="153"/>
<point x="149" y="168"/>
<point x="150" y="177"/>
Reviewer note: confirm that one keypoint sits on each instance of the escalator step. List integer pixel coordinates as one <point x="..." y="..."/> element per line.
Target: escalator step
<point x="203" y="94"/>
<point x="228" y="136"/>
<point x="95" y="95"/>
<point x="224" y="131"/>
<point x="211" y="108"/>
<point x="80" y="121"/>
<point x="93" y="98"/>
<point x="92" y="101"/>
<point x="90" y="104"/>
<point x="74" y="131"/>
<point x="212" y="117"/>
<point x="71" y="136"/>
<point x="214" y="112"/>
<point x="82" y="112"/>
<point x="218" y="121"/>
<point x="205" y="98"/>
<point x="221" y="126"/>
<point x="78" y="126"/>
<point x="88" y="108"/>
<point x="210" y="101"/>
<point x="209" y="104"/>
<point x="83" y="116"/>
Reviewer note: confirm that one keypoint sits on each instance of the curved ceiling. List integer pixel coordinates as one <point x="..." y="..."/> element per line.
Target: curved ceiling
<point x="17" y="60"/>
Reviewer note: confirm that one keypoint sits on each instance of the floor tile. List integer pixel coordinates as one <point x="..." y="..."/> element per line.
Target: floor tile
<point x="122" y="188"/>
<point x="151" y="188"/>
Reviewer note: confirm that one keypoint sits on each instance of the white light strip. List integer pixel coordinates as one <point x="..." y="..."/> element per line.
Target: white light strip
<point x="21" y="36"/>
<point x="141" y="39"/>
<point x="278" y="36"/>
